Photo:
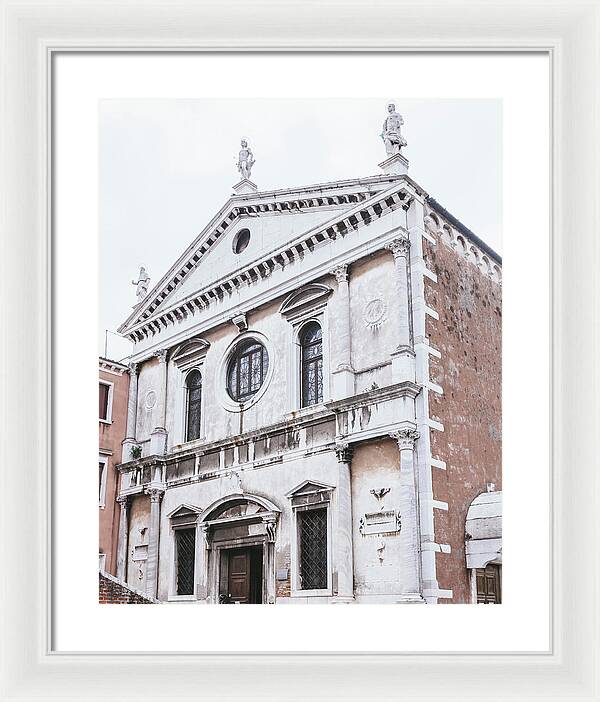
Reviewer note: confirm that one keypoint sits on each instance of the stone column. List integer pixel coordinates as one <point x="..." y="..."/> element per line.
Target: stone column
<point x="270" y="522"/>
<point x="410" y="577"/>
<point x="342" y="536"/>
<point x="158" y="438"/>
<point x="123" y="539"/>
<point x="343" y="373"/>
<point x="129" y="440"/>
<point x="403" y="358"/>
<point x="156" y="496"/>
<point x="202" y="562"/>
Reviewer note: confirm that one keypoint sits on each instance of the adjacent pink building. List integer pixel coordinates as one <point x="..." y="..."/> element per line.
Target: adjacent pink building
<point x="113" y="391"/>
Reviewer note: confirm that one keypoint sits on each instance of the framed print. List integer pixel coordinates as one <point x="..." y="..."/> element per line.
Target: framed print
<point x="332" y="280"/>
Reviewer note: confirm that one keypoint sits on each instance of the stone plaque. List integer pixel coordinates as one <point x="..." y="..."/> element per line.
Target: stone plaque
<point x="384" y="522"/>
<point x="140" y="553"/>
<point x="282" y="574"/>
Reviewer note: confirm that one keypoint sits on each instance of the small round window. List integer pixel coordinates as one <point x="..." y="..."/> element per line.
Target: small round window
<point x="241" y="240"/>
<point x="247" y="370"/>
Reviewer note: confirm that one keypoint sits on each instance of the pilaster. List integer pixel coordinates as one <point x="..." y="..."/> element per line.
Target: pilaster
<point x="123" y="538"/>
<point x="409" y="576"/>
<point x="403" y="357"/>
<point x="132" y="399"/>
<point x="156" y="495"/>
<point x="343" y="547"/>
<point x="343" y="372"/>
<point x="158" y="437"/>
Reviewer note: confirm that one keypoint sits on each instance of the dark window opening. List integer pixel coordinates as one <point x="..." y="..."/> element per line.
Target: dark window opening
<point x="311" y="343"/>
<point x="247" y="370"/>
<point x="241" y="240"/>
<point x="489" y="584"/>
<point x="194" y="405"/>
<point x="100" y="475"/>
<point x="312" y="535"/>
<point x="103" y="392"/>
<point x="186" y="556"/>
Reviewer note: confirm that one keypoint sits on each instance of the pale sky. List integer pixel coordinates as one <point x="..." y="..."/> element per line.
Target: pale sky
<point x="166" y="167"/>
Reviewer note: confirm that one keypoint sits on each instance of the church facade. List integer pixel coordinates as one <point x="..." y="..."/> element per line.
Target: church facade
<point x="314" y="403"/>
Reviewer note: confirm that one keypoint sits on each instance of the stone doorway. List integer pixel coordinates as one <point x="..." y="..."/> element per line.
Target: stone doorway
<point x="239" y="561"/>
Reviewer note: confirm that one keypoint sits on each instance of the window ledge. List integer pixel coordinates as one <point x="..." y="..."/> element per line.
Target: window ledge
<point x="306" y="411"/>
<point x="182" y="598"/>
<point x="105" y="421"/>
<point x="312" y="593"/>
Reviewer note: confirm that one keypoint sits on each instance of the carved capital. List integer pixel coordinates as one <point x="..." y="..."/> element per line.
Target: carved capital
<point x="340" y="273"/>
<point x="406" y="438"/>
<point x="344" y="452"/>
<point x="270" y="522"/>
<point x="123" y="501"/>
<point x="132" y="369"/>
<point x="156" y="494"/>
<point x="161" y="354"/>
<point x="399" y="247"/>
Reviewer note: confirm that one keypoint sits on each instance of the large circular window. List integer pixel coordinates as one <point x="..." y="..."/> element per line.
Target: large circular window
<point x="241" y="240"/>
<point x="247" y="370"/>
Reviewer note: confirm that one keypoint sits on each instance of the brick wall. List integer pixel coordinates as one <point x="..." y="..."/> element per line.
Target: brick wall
<point x="469" y="336"/>
<point x="113" y="591"/>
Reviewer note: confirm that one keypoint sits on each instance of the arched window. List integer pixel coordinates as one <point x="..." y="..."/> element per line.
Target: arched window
<point x="193" y="384"/>
<point x="311" y="344"/>
<point x="247" y="370"/>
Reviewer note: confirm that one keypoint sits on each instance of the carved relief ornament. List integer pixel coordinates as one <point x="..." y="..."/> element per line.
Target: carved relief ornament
<point x="161" y="354"/>
<point x="405" y="437"/>
<point x="156" y="494"/>
<point x="399" y="247"/>
<point x="344" y="452"/>
<point x="341" y="273"/>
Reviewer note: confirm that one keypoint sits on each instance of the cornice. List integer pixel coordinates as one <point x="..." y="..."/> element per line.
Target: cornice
<point x="390" y="392"/>
<point x="104" y="364"/>
<point x="268" y="294"/>
<point x="290" y="200"/>
<point x="360" y="215"/>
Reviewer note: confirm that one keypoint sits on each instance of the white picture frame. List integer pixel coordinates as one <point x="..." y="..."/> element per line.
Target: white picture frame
<point x="568" y="30"/>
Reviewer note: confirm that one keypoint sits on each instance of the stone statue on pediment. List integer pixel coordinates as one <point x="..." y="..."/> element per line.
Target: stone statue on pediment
<point x="392" y="131"/>
<point x="142" y="283"/>
<point x="245" y="160"/>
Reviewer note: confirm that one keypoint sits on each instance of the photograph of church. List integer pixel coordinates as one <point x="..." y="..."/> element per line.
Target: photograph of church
<point x="312" y="406"/>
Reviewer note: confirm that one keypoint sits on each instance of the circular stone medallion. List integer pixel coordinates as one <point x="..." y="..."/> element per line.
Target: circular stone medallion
<point x="375" y="312"/>
<point x="150" y="399"/>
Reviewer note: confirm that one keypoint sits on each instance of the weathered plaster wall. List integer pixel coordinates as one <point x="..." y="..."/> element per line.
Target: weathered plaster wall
<point x="139" y="521"/>
<point x="469" y="336"/>
<point x="273" y="482"/>
<point x="373" y="331"/>
<point x="110" y="438"/>
<point x="375" y="465"/>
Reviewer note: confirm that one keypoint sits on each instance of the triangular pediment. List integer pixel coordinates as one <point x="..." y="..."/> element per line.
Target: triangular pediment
<point x="185" y="511"/>
<point x="280" y="227"/>
<point x="309" y="487"/>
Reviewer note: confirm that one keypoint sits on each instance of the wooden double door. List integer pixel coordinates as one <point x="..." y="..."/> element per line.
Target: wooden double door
<point x="242" y="575"/>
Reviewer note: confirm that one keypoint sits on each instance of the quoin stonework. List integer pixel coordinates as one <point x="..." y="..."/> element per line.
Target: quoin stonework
<point x="314" y="402"/>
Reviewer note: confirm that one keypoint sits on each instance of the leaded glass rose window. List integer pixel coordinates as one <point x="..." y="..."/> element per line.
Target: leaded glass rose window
<point x="247" y="370"/>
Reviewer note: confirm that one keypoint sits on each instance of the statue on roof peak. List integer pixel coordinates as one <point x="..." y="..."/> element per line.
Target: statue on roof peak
<point x="142" y="284"/>
<point x="245" y="160"/>
<point x="392" y="134"/>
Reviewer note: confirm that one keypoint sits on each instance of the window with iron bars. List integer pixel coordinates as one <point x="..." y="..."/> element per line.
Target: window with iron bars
<point x="194" y="405"/>
<point x="311" y="344"/>
<point x="312" y="537"/>
<point x="185" y="541"/>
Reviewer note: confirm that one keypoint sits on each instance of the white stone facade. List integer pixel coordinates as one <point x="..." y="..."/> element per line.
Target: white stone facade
<point x="348" y="256"/>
